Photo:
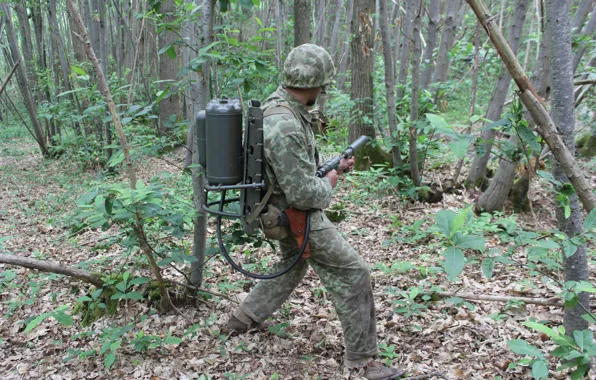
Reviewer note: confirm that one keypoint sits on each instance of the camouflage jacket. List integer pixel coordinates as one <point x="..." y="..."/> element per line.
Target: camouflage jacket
<point x="291" y="160"/>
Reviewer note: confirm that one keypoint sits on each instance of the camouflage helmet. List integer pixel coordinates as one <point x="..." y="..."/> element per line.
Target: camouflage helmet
<point x="308" y="66"/>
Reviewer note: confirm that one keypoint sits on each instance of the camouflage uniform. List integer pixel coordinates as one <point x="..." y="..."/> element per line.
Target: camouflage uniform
<point x="291" y="165"/>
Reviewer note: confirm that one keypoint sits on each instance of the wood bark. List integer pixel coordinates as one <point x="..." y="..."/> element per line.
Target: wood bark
<point x="477" y="175"/>
<point x="545" y="125"/>
<point x="390" y="86"/>
<point x="22" y="80"/>
<point x="460" y="162"/>
<point x="434" y="17"/>
<point x="51" y="267"/>
<point x="168" y="71"/>
<point x="301" y="22"/>
<point x="581" y="15"/>
<point x="558" y="42"/>
<point x="27" y="42"/>
<point x="278" y="29"/>
<point x="413" y="127"/>
<point x="494" y="197"/>
<point x="339" y="10"/>
<point x="447" y="41"/>
<point x="10" y="74"/>
<point x="589" y="30"/>
<point x="346" y="47"/>
<point x="361" y="52"/>
<point x="405" y="47"/>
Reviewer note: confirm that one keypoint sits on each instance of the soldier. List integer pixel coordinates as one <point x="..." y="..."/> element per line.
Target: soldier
<point x="292" y="161"/>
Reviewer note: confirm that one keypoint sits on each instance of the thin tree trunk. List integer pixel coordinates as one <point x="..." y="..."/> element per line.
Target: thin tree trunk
<point x="404" y="50"/>
<point x="390" y="85"/>
<point x="168" y="70"/>
<point x="301" y="22"/>
<point x="339" y="10"/>
<point x="27" y="42"/>
<point x="447" y="40"/>
<point x="416" y="52"/>
<point x="587" y="31"/>
<point x="545" y="125"/>
<point x="558" y="42"/>
<point x="477" y="174"/>
<point x="475" y="70"/>
<point x="434" y="18"/>
<point x="343" y="59"/>
<point x="361" y="52"/>
<point x="581" y="15"/>
<point x="278" y="28"/>
<point x="22" y="79"/>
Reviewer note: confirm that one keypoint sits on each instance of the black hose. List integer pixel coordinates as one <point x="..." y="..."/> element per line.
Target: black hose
<point x="225" y="254"/>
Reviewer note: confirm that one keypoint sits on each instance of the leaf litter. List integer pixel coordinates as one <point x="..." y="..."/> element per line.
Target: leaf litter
<point x="306" y="342"/>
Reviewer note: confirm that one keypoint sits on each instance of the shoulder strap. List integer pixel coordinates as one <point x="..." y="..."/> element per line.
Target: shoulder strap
<point x="278" y="109"/>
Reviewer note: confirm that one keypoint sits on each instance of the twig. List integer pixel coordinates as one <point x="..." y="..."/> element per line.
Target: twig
<point x="428" y="376"/>
<point x="553" y="301"/>
<point x="203" y="290"/>
<point x="14" y="68"/>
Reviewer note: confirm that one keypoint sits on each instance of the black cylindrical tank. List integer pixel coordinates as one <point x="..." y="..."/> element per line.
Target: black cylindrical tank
<point x="201" y="139"/>
<point x="224" y="141"/>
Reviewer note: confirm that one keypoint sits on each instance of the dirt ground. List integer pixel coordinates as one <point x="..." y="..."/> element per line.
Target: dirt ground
<point x="454" y="342"/>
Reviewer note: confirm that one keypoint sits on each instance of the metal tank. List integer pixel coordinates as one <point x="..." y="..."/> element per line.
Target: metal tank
<point x="223" y="142"/>
<point x="201" y="139"/>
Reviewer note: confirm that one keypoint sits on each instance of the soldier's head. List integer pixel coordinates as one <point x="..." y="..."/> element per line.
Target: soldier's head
<point x="307" y="70"/>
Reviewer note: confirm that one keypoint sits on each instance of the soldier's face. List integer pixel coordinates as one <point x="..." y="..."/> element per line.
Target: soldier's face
<point x="312" y="98"/>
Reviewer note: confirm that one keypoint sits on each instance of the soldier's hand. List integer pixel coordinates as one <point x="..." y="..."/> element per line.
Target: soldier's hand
<point x="332" y="176"/>
<point x="346" y="165"/>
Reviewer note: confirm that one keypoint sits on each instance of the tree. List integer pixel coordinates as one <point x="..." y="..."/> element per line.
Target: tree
<point x="404" y="50"/>
<point x="434" y="18"/>
<point x="558" y="42"/>
<point x="343" y="58"/>
<point x="447" y="40"/>
<point x="413" y="137"/>
<point x="24" y="88"/>
<point x="170" y="106"/>
<point x="390" y="86"/>
<point x="301" y="22"/>
<point x="477" y="174"/>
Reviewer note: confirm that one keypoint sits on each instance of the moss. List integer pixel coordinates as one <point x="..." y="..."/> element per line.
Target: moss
<point x="519" y="195"/>
<point x="589" y="148"/>
<point x="336" y="213"/>
<point x="369" y="155"/>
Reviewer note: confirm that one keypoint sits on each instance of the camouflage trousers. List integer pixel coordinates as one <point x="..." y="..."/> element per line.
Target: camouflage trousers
<point x="345" y="276"/>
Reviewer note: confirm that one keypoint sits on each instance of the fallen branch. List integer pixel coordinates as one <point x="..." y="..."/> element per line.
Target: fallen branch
<point x="51" y="267"/>
<point x="14" y="68"/>
<point x="585" y="81"/>
<point x="553" y="301"/>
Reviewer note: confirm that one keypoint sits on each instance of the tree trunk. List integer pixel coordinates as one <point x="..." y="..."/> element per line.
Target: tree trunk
<point x="545" y="125"/>
<point x="22" y="80"/>
<point x="343" y="59"/>
<point x="278" y="28"/>
<point x="321" y="9"/>
<point x="558" y="42"/>
<point x="587" y="31"/>
<point x="477" y="174"/>
<point x="198" y="174"/>
<point x="581" y="15"/>
<point x="494" y="197"/>
<point x="447" y="40"/>
<point x="27" y="43"/>
<point x="434" y="18"/>
<point x="301" y="22"/>
<point x="339" y="10"/>
<point x="468" y="130"/>
<point x="404" y="49"/>
<point x="390" y="85"/>
<point x="416" y="52"/>
<point x="168" y="70"/>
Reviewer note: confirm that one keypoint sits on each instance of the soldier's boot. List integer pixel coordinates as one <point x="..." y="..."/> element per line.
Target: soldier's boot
<point x="377" y="371"/>
<point x="241" y="322"/>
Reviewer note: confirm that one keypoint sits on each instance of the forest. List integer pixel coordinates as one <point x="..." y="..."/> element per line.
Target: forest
<point x="473" y="202"/>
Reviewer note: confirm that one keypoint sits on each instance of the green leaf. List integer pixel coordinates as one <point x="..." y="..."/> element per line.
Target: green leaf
<point x="540" y="369"/>
<point x="495" y="124"/>
<point x="78" y="70"/>
<point x="474" y="242"/>
<point x="549" y="177"/>
<point x="569" y="248"/>
<point x="458" y="222"/>
<point x="579" y="372"/>
<point x="444" y="219"/>
<point x="454" y="262"/>
<point x="133" y="296"/>
<point x="528" y="137"/>
<point x="583" y="338"/>
<point x="35" y="322"/>
<point x="488" y="265"/>
<point x="173" y="340"/>
<point x="556" y="336"/>
<point x="521" y="347"/>
<point x="590" y="222"/>
<point x="459" y="147"/>
<point x="109" y="360"/>
<point x="589" y="318"/>
<point x="63" y="319"/>
<point x="139" y="281"/>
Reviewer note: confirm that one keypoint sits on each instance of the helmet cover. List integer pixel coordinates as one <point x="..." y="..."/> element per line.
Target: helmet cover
<point x="308" y="66"/>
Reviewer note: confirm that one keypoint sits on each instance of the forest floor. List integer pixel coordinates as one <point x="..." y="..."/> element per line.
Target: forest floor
<point x="458" y="341"/>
